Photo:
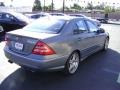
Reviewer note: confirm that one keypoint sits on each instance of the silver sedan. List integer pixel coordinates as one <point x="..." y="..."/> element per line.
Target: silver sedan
<point x="55" y="43"/>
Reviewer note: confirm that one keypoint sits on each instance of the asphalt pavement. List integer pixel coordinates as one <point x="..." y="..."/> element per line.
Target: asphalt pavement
<point x="98" y="72"/>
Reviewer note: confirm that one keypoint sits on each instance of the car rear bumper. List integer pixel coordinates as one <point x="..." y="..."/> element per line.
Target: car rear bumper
<point x="35" y="64"/>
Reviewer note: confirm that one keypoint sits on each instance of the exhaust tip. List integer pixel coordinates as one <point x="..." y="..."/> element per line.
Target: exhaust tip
<point x="10" y="61"/>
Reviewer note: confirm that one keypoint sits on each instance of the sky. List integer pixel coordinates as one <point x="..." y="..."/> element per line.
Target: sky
<point x="58" y="3"/>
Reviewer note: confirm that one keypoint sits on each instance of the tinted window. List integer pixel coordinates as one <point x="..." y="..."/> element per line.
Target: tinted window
<point x="46" y="25"/>
<point x="81" y="26"/>
<point x="57" y="14"/>
<point x="77" y="15"/>
<point x="92" y="26"/>
<point x="37" y="16"/>
<point x="7" y="17"/>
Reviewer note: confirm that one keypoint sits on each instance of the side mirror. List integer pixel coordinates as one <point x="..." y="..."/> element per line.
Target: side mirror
<point x="101" y="30"/>
<point x="1" y="29"/>
<point x="76" y="31"/>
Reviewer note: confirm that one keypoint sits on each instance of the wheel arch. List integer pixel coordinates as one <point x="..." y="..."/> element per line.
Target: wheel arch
<point x="78" y="51"/>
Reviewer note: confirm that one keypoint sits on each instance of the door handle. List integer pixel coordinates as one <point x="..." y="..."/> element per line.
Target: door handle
<point x="79" y="39"/>
<point x="95" y="36"/>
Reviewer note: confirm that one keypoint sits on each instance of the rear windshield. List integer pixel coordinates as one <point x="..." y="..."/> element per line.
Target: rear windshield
<point x="46" y="26"/>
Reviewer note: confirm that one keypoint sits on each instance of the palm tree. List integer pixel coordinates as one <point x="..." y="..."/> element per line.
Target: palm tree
<point x="63" y="6"/>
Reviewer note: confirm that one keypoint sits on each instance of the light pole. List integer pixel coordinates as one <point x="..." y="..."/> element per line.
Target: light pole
<point x="52" y="5"/>
<point x="63" y="6"/>
<point x="11" y="3"/>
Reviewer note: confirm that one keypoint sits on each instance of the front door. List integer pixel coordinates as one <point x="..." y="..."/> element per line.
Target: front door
<point x="99" y="39"/>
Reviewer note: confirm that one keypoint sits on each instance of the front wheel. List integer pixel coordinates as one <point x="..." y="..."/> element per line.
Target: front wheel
<point x="106" y="44"/>
<point x="72" y="63"/>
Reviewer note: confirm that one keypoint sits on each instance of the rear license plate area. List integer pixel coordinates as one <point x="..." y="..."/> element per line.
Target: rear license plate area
<point x="18" y="46"/>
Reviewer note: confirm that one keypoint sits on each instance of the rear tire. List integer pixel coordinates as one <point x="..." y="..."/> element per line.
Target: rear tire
<point x="72" y="63"/>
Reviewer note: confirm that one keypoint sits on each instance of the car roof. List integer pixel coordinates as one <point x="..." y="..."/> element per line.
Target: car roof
<point x="41" y="13"/>
<point x="10" y="12"/>
<point x="67" y="18"/>
<point x="58" y="14"/>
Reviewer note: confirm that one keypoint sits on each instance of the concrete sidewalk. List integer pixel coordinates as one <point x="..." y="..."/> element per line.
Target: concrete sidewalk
<point x="114" y="22"/>
<point x="4" y="65"/>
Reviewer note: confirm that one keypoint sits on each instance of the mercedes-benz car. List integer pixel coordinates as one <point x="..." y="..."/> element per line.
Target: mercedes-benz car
<point x="55" y="43"/>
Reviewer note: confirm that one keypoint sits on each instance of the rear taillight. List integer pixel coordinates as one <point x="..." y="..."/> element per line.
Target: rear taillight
<point x="42" y="49"/>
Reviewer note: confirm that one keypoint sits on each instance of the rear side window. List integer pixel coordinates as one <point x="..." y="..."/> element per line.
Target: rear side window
<point x="92" y="27"/>
<point x="35" y="16"/>
<point x="81" y="26"/>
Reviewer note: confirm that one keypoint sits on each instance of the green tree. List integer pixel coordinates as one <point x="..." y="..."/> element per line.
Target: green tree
<point x="46" y="8"/>
<point x="76" y="6"/>
<point x="118" y="9"/>
<point x="67" y="8"/>
<point x="113" y="9"/>
<point x="90" y="6"/>
<point x="50" y="7"/>
<point x="107" y="9"/>
<point x="100" y="7"/>
<point x="37" y="5"/>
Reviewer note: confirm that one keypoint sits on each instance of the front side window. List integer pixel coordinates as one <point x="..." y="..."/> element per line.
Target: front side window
<point x="46" y="25"/>
<point x="92" y="27"/>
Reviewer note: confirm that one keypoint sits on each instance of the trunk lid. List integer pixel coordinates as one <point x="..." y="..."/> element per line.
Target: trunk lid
<point x="23" y="42"/>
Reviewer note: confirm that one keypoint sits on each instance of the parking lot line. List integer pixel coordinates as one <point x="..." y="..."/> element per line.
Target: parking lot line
<point x="5" y="72"/>
<point x="118" y="80"/>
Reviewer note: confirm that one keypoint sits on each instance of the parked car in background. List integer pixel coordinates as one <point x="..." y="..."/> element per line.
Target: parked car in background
<point x="55" y="43"/>
<point x="77" y="15"/>
<point x="12" y="20"/>
<point x="103" y="19"/>
<point x="58" y="14"/>
<point x="39" y="15"/>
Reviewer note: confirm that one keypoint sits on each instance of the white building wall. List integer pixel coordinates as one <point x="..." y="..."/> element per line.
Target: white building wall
<point x="115" y="3"/>
<point x="16" y="9"/>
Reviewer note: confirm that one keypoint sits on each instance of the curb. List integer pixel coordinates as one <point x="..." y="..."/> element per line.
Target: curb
<point x="114" y="23"/>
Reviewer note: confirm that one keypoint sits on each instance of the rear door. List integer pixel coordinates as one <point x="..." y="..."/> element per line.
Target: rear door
<point x="84" y="39"/>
